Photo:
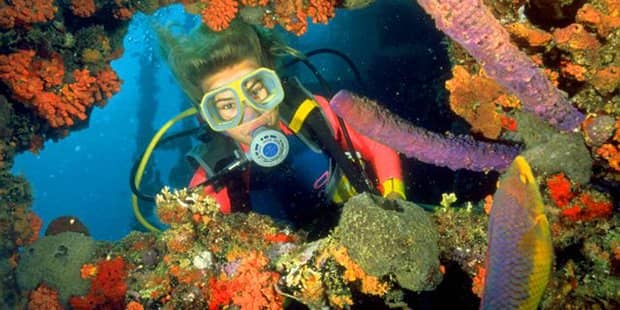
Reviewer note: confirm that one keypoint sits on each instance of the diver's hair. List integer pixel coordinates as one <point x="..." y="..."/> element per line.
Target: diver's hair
<point x="203" y="52"/>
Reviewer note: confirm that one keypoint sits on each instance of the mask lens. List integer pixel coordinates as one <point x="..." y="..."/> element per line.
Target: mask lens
<point x="225" y="104"/>
<point x="221" y="109"/>
<point x="263" y="89"/>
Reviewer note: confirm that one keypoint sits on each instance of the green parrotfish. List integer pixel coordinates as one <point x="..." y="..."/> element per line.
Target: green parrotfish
<point x="520" y="252"/>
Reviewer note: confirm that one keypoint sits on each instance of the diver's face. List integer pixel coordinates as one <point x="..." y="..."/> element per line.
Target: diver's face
<point x="252" y="118"/>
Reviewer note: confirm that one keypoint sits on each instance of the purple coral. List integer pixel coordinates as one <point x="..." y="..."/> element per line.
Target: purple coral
<point x="454" y="152"/>
<point x="471" y="24"/>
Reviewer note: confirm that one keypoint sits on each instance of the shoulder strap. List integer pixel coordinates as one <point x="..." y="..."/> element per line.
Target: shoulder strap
<point x="304" y="117"/>
<point x="214" y="154"/>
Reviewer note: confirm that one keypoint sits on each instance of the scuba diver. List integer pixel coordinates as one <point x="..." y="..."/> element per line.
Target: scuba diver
<point x="273" y="147"/>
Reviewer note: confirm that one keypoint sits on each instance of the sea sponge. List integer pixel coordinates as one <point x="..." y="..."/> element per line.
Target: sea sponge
<point x="56" y="261"/>
<point x="395" y="238"/>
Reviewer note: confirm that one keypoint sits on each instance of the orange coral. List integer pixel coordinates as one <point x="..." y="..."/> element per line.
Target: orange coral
<point x="370" y="284"/>
<point x="559" y="188"/>
<point x="611" y="154"/>
<point x="37" y="83"/>
<point x="88" y="271"/>
<point x="254" y="2"/>
<point x="122" y="11"/>
<point x="134" y="305"/>
<point x="321" y="10"/>
<point x="43" y="298"/>
<point x="291" y="15"/>
<point x="574" y="71"/>
<point x="606" y="80"/>
<point x="17" y="73"/>
<point x="604" y="23"/>
<point x="83" y="8"/>
<point x="218" y="14"/>
<point x="529" y="33"/>
<point x="26" y="12"/>
<point x="477" y="285"/>
<point x="574" y="37"/>
<point x="26" y="226"/>
<point x="474" y="98"/>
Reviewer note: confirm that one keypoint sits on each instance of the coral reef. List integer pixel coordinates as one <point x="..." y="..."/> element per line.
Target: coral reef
<point x="512" y="60"/>
<point x="248" y="261"/>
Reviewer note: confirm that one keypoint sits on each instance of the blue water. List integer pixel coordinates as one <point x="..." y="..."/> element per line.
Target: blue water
<point x="87" y="174"/>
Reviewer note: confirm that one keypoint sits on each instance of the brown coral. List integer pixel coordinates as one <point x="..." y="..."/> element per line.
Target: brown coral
<point x="83" y="8"/>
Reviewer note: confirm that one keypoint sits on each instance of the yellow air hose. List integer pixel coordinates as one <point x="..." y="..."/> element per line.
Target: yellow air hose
<point x="145" y="159"/>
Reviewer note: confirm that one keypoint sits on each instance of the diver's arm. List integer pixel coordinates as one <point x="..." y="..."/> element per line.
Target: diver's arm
<point x="385" y="161"/>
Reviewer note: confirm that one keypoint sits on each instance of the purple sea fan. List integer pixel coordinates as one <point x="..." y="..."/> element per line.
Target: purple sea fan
<point x="471" y="24"/>
<point x="454" y="152"/>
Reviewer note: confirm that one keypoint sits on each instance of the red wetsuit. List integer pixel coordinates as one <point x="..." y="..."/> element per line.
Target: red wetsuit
<point x="384" y="161"/>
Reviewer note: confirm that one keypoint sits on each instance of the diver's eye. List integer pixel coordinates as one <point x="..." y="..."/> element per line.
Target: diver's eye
<point x="225" y="106"/>
<point x="256" y="89"/>
<point x="227" y="109"/>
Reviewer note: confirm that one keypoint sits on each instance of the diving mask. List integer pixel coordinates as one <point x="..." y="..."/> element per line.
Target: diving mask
<point x="224" y="106"/>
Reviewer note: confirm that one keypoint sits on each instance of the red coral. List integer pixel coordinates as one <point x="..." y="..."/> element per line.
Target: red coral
<point x="108" y="84"/>
<point x="35" y="81"/>
<point x="26" y="12"/>
<point x="43" y="298"/>
<point x="107" y="289"/>
<point x="17" y="73"/>
<point x="83" y="8"/>
<point x="587" y="209"/>
<point x="218" y="14"/>
<point x="250" y="288"/>
<point x="560" y="190"/>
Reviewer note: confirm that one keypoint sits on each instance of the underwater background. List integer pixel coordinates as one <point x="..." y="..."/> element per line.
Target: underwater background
<point x="101" y="157"/>
<point x="465" y="87"/>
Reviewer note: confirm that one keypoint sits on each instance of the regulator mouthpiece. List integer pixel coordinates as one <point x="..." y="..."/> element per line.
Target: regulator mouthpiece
<point x="268" y="147"/>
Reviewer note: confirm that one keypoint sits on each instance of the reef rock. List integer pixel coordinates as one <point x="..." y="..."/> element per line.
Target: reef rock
<point x="56" y="261"/>
<point x="395" y="238"/>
